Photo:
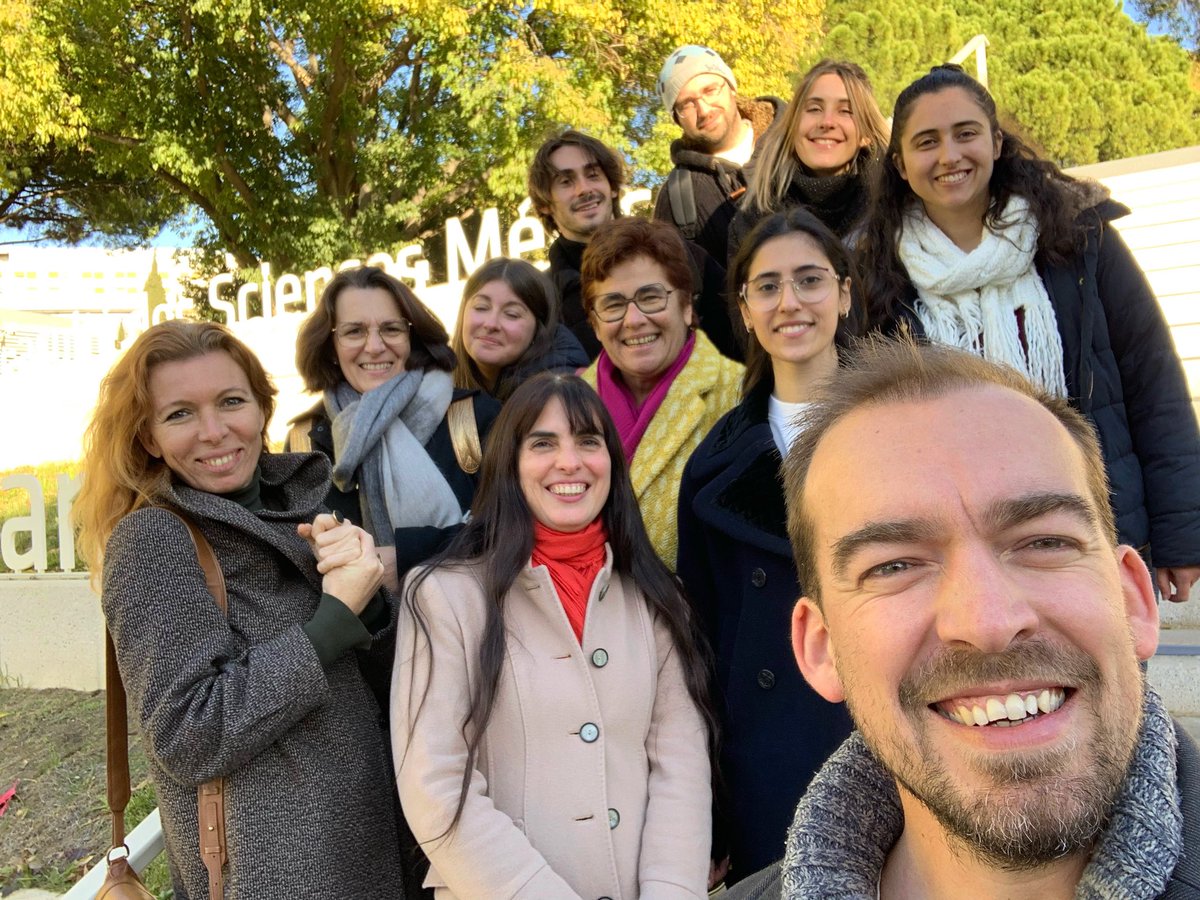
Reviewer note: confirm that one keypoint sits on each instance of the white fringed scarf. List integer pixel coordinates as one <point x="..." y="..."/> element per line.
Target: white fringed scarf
<point x="970" y="300"/>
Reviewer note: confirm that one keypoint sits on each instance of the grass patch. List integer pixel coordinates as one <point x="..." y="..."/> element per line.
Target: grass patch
<point x="57" y="826"/>
<point x="15" y="502"/>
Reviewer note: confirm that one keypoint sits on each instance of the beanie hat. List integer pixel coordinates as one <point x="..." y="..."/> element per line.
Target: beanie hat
<point x="685" y="64"/>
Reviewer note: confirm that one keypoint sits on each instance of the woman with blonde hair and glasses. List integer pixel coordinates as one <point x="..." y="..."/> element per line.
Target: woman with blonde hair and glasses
<point x="267" y="695"/>
<point x="792" y="279"/>
<point x="820" y="153"/>
<point x="404" y="442"/>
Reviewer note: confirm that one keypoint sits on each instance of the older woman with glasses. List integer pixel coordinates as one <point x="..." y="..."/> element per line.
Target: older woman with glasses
<point x="792" y="280"/>
<point x="662" y="380"/>
<point x="405" y="444"/>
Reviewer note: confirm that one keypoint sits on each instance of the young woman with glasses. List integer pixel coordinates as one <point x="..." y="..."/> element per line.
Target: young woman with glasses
<point x="663" y="381"/>
<point x="382" y="363"/>
<point x="792" y="280"/>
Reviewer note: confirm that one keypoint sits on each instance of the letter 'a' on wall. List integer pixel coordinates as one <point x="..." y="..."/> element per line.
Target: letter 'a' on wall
<point x="33" y="524"/>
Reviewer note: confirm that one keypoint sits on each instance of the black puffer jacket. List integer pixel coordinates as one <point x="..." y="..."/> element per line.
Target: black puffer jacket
<point x="565" y="354"/>
<point x="716" y="183"/>
<point x="1124" y="374"/>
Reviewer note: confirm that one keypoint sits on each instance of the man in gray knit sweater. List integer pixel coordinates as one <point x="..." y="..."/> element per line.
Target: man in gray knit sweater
<point x="967" y="598"/>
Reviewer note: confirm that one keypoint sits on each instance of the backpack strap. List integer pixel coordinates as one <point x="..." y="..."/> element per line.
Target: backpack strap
<point x="298" y="439"/>
<point x="682" y="194"/>
<point x="464" y="434"/>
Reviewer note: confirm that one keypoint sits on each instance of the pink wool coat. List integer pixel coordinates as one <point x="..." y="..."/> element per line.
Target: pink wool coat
<point x="592" y="779"/>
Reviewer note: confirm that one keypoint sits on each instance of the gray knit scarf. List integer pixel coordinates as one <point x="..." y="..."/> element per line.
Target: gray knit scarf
<point x="379" y="441"/>
<point x="850" y="817"/>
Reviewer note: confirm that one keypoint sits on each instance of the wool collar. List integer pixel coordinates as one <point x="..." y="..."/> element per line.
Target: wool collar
<point x="850" y="818"/>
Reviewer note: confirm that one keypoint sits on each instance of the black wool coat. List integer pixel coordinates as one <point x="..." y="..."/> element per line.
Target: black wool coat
<point x="737" y="566"/>
<point x="1124" y="374"/>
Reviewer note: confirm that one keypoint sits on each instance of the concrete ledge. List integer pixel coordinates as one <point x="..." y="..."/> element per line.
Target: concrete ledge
<point x="1174" y="677"/>
<point x="53" y="633"/>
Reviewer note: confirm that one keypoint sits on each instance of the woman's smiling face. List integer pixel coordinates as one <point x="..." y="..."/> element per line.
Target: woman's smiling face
<point x="947" y="153"/>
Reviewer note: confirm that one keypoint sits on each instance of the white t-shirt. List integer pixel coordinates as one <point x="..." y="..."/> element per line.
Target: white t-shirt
<point x="740" y="153"/>
<point x="783" y="420"/>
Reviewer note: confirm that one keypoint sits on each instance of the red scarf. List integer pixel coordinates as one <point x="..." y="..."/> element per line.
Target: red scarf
<point x="574" y="559"/>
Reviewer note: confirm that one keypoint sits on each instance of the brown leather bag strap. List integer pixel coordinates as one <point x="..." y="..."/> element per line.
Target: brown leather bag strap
<point x="464" y="434"/>
<point x="117" y="734"/>
<point x="210" y="796"/>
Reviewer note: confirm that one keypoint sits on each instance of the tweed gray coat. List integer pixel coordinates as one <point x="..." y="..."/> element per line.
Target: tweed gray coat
<point x="308" y="806"/>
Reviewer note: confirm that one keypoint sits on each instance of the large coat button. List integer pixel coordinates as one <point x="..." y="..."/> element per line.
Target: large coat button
<point x="758" y="578"/>
<point x="589" y="732"/>
<point x="599" y="657"/>
<point x="766" y="679"/>
<point x="614" y="819"/>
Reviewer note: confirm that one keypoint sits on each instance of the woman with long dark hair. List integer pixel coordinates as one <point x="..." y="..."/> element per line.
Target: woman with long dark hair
<point x="792" y="278"/>
<point x="820" y="154"/>
<point x="976" y="242"/>
<point x="509" y="329"/>
<point x="549" y="713"/>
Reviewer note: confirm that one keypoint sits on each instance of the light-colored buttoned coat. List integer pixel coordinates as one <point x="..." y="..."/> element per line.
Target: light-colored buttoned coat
<point x="707" y="387"/>
<point x="592" y="779"/>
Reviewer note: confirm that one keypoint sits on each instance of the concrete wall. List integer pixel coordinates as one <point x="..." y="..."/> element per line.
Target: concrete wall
<point x="51" y="633"/>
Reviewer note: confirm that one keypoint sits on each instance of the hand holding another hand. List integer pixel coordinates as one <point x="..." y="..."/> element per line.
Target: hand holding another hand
<point x="346" y="556"/>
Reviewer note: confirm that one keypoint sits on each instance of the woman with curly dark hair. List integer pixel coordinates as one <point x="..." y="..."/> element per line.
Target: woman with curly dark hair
<point x="975" y="242"/>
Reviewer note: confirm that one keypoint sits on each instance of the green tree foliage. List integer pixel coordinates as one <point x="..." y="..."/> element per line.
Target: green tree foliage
<point x="1078" y="77"/>
<point x="47" y="182"/>
<point x="307" y="132"/>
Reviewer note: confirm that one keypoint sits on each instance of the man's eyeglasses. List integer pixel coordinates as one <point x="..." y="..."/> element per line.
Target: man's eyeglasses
<point x="710" y="95"/>
<point x="355" y="334"/>
<point x="810" y="285"/>
<point x="652" y="298"/>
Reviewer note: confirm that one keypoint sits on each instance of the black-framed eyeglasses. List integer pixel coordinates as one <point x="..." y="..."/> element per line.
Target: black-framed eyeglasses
<point x="710" y="94"/>
<point x="812" y="284"/>
<point x="355" y="334"/>
<point x="649" y="299"/>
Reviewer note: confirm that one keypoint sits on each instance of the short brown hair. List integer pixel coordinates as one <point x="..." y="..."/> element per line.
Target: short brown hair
<point x="316" y="359"/>
<point x="882" y="371"/>
<point x="542" y="171"/>
<point x="631" y="238"/>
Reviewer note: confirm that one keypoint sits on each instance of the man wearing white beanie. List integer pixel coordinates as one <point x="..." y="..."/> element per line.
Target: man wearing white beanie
<point x="719" y="133"/>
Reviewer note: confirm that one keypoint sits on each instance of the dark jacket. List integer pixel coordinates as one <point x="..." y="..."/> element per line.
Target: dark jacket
<point x="1185" y="880"/>
<point x="716" y="183"/>
<point x="708" y="275"/>
<point x="736" y="564"/>
<point x="414" y="544"/>
<point x="1124" y="374"/>
<point x="308" y="788"/>
<point x="565" y="354"/>
<point x="566" y="259"/>
<point x="840" y="201"/>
